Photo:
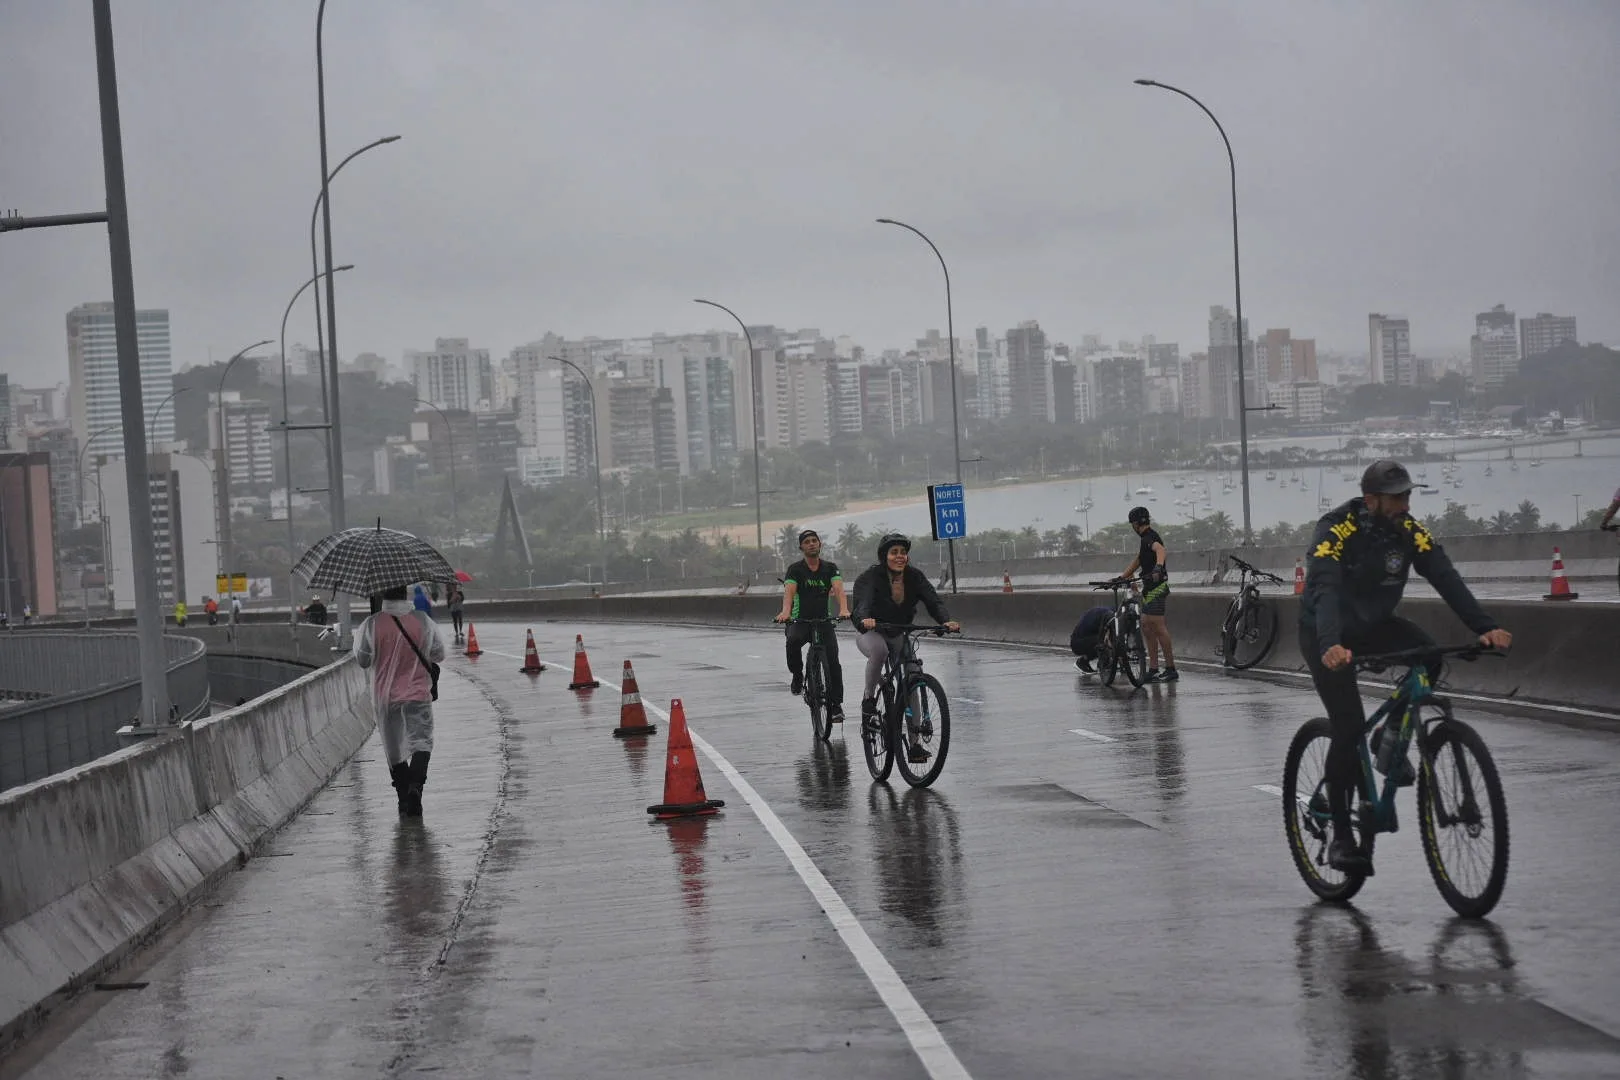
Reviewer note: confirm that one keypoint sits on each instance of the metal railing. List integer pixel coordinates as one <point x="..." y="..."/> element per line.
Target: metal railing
<point x="77" y="723"/>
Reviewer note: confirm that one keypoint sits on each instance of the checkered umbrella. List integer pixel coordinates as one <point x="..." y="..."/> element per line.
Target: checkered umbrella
<point x="366" y="561"/>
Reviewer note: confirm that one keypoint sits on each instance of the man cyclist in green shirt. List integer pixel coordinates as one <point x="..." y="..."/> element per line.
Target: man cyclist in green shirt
<point x="808" y="589"/>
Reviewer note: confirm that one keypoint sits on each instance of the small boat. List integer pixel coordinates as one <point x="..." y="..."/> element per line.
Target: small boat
<point x="1144" y="490"/>
<point x="1428" y="491"/>
<point x="1271" y="475"/>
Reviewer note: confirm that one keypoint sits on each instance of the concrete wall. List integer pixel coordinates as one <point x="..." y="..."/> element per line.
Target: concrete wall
<point x="96" y="859"/>
<point x="1560" y="655"/>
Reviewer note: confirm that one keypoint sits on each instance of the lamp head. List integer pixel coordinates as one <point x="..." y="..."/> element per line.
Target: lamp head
<point x="1145" y="82"/>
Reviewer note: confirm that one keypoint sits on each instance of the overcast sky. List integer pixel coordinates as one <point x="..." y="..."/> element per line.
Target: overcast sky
<point x="589" y="166"/>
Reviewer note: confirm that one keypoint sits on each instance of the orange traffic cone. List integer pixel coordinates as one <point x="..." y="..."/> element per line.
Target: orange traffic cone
<point x="583" y="679"/>
<point x="632" y="713"/>
<point x="1299" y="575"/>
<point x="683" y="787"/>
<point x="531" y="658"/>
<point x="1560" y="584"/>
<point x="1006" y="582"/>
<point x="472" y="642"/>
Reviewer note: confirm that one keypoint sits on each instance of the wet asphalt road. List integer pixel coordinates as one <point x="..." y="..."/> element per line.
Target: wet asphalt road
<point x="1112" y="903"/>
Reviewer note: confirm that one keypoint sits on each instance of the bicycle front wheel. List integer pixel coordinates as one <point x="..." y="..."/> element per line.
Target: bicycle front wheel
<point x="875" y="741"/>
<point x="815" y="696"/>
<point x="1463" y="819"/>
<point x="1253" y="634"/>
<point x="1307" y="814"/>
<point x="1107" y="656"/>
<point x="925" y="721"/>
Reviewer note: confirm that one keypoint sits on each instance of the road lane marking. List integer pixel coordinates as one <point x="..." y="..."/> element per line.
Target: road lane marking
<point x="1269" y="789"/>
<point x="1094" y="736"/>
<point x="935" y="1054"/>
<point x="970" y="701"/>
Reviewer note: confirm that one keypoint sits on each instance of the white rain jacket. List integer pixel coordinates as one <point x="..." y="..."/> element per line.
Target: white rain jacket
<point x="402" y="689"/>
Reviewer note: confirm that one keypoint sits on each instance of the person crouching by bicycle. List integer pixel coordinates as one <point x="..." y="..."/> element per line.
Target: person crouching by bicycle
<point x="809" y="589"/>
<point x="1087" y="635"/>
<point x="1155" y="590"/>
<point x="1360" y="557"/>
<point x="888" y="592"/>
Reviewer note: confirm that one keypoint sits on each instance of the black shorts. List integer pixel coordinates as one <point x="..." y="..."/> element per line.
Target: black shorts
<point x="1154" y="596"/>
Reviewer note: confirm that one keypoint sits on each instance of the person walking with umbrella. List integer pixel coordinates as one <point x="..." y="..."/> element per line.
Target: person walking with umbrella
<point x="399" y="645"/>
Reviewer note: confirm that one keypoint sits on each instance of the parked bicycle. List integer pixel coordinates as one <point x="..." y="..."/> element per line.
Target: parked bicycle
<point x="1120" y="646"/>
<point x="911" y="709"/>
<point x="815" y="676"/>
<point x="1250" y="628"/>
<point x="1462" y="812"/>
<point x="1611" y="528"/>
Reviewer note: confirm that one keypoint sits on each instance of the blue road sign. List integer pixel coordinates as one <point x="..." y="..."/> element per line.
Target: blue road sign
<point x="948" y="510"/>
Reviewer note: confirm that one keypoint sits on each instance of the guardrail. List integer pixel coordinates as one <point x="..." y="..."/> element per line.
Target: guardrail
<point x="75" y="723"/>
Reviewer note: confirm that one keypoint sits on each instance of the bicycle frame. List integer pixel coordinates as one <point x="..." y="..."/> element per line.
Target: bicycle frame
<point x="1402" y="712"/>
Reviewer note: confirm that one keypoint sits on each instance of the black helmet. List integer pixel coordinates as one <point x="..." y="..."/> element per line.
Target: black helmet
<point x="1139" y="515"/>
<point x="892" y="540"/>
<point x="807" y="534"/>
<point x="1386" y="477"/>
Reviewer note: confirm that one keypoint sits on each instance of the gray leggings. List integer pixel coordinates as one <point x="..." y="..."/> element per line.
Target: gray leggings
<point x="875" y="647"/>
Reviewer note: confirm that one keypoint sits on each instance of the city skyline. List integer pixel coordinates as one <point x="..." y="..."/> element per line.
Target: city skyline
<point x="766" y="199"/>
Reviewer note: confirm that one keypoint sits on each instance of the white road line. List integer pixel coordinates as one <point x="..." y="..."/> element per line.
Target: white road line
<point x="970" y="701"/>
<point x="1092" y="735"/>
<point x="1269" y="789"/>
<point x="936" y="1055"/>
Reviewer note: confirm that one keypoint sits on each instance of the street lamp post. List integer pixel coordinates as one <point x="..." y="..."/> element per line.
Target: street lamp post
<point x="286" y="436"/>
<point x="596" y="463"/>
<point x="950" y="330"/>
<point x="222" y="467"/>
<point x="455" y="517"/>
<point x="1237" y="285"/>
<point x="758" y="419"/>
<point x="101" y="517"/>
<point x="1577" y="512"/>
<point x="157" y="412"/>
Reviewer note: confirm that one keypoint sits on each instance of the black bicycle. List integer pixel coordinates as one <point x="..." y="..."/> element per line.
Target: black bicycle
<point x="1462" y="811"/>
<point x="1120" y="646"/>
<point x="1250" y="628"/>
<point x="815" y="677"/>
<point x="912" y="711"/>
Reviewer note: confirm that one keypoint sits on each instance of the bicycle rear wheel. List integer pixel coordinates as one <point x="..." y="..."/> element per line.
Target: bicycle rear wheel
<point x="1463" y="816"/>
<point x="1253" y="634"/>
<point x="1307" y="814"/>
<point x="925" y="713"/>
<point x="1134" y="656"/>
<point x="1107" y="655"/>
<point x="875" y="742"/>
<point x="815" y="696"/>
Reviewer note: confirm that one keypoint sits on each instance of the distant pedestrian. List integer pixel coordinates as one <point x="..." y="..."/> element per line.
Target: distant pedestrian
<point x="179" y="613"/>
<point x="403" y="648"/>
<point x="1087" y="635"/>
<point x="28" y="614"/>
<point x="315" y="612"/>
<point x="458" y="601"/>
<point x="211" y="608"/>
<point x="236" y="610"/>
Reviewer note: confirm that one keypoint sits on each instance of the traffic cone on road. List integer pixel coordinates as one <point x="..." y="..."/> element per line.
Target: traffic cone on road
<point x="1299" y="575"/>
<point x="1006" y="582"/>
<point x="683" y="786"/>
<point x="472" y="642"/>
<point x="531" y="658"/>
<point x="583" y="679"/>
<point x="1560" y="584"/>
<point x="632" y="713"/>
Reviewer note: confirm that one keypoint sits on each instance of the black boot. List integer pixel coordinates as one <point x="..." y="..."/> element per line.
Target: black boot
<point x="416" y="776"/>
<point x="401" y="772"/>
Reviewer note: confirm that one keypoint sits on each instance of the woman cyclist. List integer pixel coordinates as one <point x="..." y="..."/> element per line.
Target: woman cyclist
<point x="888" y="592"/>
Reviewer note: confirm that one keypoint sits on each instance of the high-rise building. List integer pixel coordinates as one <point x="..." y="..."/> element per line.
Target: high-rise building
<point x="250" y="456"/>
<point x="453" y="375"/>
<point x="183" y="527"/>
<point x="1065" y="401"/>
<point x="1494" y="347"/>
<point x="27" y="535"/>
<point x="63" y="450"/>
<point x="1389" y="350"/>
<point x="1118" y="388"/>
<point x="1224" y="360"/>
<point x="95" y="407"/>
<point x="498" y="443"/>
<point x="1544" y="333"/>
<point x="1029" y="373"/>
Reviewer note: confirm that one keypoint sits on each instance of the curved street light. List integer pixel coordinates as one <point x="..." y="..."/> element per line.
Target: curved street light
<point x="596" y="461"/>
<point x="222" y="550"/>
<point x="754" y="408"/>
<point x="1237" y="284"/>
<point x="950" y="330"/>
<point x="151" y="441"/>
<point x="455" y="517"/>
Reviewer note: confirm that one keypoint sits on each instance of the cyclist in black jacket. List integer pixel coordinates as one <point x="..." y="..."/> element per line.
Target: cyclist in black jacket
<point x="1359" y="560"/>
<point x="888" y="592"/>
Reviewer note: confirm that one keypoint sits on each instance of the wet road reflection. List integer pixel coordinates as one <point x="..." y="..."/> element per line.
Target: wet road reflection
<point x="917" y="848"/>
<point x="824" y="776"/>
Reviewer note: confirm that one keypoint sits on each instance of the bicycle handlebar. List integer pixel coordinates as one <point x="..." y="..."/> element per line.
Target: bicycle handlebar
<point x="806" y="619"/>
<point x="1116" y="583"/>
<point x="911" y="628"/>
<point x="1412" y="657"/>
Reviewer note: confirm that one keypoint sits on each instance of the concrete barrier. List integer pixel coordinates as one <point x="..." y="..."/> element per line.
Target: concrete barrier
<point x="96" y="859"/>
<point x="1560" y="655"/>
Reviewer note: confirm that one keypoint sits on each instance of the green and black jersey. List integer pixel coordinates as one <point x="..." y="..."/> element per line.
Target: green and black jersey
<point x="813" y="596"/>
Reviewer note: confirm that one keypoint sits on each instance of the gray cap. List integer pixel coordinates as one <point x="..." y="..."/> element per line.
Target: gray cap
<point x="1386" y="477"/>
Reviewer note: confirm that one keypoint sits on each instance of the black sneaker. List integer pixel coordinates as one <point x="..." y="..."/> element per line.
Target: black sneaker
<point x="1151" y="676"/>
<point x="869" y="716"/>
<point x="1169" y="674"/>
<point x="835" y="715"/>
<point x="918" y="754"/>
<point x="798" y="686"/>
<point x="1082" y="664"/>
<point x="1345" y="857"/>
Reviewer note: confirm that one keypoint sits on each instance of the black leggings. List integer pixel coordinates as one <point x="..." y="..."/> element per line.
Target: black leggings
<point x="455" y="617"/>
<point x="1342" y="697"/>
<point x="798" y="635"/>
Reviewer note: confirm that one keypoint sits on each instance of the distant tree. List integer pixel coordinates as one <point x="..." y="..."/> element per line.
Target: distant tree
<point x="1502" y="522"/>
<point x="1527" y="518"/>
<point x="849" y="541"/>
